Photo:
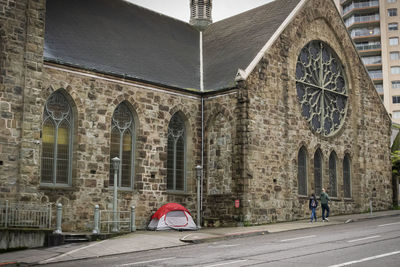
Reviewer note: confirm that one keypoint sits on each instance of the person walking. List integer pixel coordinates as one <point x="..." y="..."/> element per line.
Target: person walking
<point x="313" y="206"/>
<point x="324" y="205"/>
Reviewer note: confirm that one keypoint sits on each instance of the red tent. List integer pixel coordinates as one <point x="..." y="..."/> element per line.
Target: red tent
<point x="172" y="216"/>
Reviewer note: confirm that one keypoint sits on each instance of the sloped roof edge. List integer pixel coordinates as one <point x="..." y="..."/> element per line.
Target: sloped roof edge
<point x="244" y="74"/>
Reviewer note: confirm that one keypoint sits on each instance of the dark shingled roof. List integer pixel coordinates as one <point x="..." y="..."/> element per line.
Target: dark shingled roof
<point x="233" y="43"/>
<point x="122" y="39"/>
<point x="116" y="37"/>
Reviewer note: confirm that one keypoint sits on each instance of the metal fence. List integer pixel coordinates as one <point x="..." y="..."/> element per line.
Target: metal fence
<point x="21" y="214"/>
<point x="123" y="223"/>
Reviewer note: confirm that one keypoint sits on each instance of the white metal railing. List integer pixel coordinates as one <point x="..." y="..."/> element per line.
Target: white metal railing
<point x="355" y="19"/>
<point x="106" y="221"/>
<point x="360" y="5"/>
<point x="379" y="88"/>
<point x="368" y="46"/>
<point x="372" y="60"/>
<point x="376" y="75"/>
<point x="365" y="32"/>
<point x="23" y="214"/>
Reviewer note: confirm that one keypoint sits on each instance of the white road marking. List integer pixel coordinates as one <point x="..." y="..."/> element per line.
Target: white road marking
<point x="365" y="238"/>
<point x="366" y="259"/>
<point x="225" y="263"/>
<point x="297" y="238"/>
<point x="142" y="262"/>
<point x="70" y="252"/>
<point x="388" y="224"/>
<point x="224" y="246"/>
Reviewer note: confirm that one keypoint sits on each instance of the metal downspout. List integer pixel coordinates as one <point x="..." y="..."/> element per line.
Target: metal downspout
<point x="202" y="122"/>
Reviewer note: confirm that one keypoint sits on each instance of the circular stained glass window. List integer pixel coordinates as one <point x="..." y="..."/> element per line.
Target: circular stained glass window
<point x="321" y="88"/>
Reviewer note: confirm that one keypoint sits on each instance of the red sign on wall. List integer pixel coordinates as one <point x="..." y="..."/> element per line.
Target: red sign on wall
<point x="237" y="203"/>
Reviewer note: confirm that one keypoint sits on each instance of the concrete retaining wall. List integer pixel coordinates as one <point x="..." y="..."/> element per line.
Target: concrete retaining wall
<point x="22" y="238"/>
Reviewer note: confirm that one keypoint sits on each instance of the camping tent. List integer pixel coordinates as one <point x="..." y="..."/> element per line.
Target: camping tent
<point x="172" y="216"/>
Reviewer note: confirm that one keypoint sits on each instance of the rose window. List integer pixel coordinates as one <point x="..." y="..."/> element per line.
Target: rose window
<point x="321" y="88"/>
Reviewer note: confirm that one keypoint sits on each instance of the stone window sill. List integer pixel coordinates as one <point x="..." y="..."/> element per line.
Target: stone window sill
<point x="56" y="187"/>
<point x="220" y="195"/>
<point x="178" y="193"/>
<point x="121" y="189"/>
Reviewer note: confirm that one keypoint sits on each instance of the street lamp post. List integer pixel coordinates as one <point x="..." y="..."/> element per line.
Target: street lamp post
<point x="115" y="161"/>
<point x="198" y="177"/>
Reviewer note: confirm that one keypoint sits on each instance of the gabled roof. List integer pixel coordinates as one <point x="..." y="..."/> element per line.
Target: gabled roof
<point x="122" y="39"/>
<point x="116" y="37"/>
<point x="233" y="43"/>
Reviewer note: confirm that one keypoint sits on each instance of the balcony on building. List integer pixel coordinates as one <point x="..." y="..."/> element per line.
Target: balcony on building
<point x="379" y="88"/>
<point x="365" y="32"/>
<point x="358" y="20"/>
<point x="369" y="48"/>
<point x="362" y="35"/>
<point x="376" y="75"/>
<point x="360" y="7"/>
<point x="372" y="62"/>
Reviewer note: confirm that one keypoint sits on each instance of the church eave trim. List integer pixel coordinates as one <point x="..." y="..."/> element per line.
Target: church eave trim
<point x="244" y="74"/>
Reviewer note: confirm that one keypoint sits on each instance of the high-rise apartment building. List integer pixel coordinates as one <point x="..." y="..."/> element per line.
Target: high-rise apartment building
<point x="374" y="28"/>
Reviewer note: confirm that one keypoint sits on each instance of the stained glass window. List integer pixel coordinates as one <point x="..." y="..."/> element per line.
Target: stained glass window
<point x="318" y="172"/>
<point x="346" y="176"/>
<point x="321" y="88"/>
<point x="332" y="175"/>
<point x="57" y="136"/>
<point x="122" y="145"/>
<point x="176" y="154"/>
<point x="302" y="171"/>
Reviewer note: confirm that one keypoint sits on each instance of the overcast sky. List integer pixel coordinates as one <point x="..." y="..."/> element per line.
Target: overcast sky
<point x="180" y="8"/>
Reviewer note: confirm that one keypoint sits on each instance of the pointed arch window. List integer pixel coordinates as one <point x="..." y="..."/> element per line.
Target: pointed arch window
<point x="332" y="175"/>
<point x="346" y="176"/>
<point x="318" y="172"/>
<point x="176" y="154"/>
<point x="302" y="171"/>
<point x="122" y="145"/>
<point x="57" y="135"/>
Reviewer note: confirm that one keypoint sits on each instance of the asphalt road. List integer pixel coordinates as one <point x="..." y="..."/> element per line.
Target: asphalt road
<point x="367" y="243"/>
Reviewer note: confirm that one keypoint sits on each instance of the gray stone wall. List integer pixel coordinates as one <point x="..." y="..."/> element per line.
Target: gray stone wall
<point x="94" y="101"/>
<point x="220" y="158"/>
<point x="278" y="130"/>
<point x="21" y="50"/>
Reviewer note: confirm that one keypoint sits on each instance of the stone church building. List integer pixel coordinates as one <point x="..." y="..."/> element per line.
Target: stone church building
<point x="273" y="103"/>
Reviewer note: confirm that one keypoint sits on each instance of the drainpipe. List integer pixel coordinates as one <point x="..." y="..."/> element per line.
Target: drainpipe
<point x="202" y="154"/>
<point x="202" y="119"/>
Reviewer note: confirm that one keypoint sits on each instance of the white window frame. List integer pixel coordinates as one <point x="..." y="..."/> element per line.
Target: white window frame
<point x="396" y="99"/>
<point x="395" y="70"/>
<point x="396" y="114"/>
<point x="394" y="41"/>
<point x="393" y="26"/>
<point x="395" y="55"/>
<point x="395" y="84"/>
<point x="392" y="12"/>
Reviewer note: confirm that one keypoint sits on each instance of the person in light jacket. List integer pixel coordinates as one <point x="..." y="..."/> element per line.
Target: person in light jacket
<point x="324" y="205"/>
<point x="313" y="206"/>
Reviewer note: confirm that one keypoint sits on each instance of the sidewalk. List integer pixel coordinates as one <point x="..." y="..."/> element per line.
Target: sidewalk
<point x="148" y="240"/>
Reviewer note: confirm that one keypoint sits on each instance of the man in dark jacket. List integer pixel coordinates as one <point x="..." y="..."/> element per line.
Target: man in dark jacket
<point x="324" y="205"/>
